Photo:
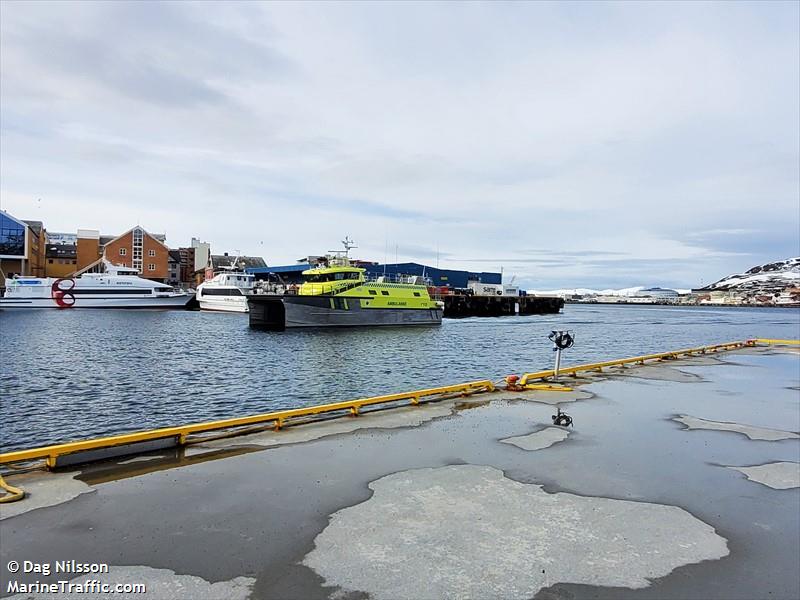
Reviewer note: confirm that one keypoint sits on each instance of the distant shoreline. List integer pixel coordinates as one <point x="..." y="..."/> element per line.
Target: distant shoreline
<point x="780" y="306"/>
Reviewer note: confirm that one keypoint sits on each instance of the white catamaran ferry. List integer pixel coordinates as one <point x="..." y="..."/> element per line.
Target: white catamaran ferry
<point x="118" y="287"/>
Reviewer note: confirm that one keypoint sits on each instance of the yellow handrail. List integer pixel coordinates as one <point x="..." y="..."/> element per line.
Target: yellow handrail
<point x="51" y="453"/>
<point x="636" y="359"/>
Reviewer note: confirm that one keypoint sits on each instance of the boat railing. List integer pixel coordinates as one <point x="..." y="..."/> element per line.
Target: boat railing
<point x="399" y="278"/>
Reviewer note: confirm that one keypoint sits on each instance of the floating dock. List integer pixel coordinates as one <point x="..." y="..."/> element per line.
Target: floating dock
<point x="457" y="491"/>
<point x="459" y="306"/>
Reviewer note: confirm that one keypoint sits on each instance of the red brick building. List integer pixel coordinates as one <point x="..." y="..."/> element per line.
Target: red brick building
<point x="140" y="250"/>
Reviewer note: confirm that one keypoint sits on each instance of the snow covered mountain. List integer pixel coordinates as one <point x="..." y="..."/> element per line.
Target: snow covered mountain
<point x="770" y="278"/>
<point x="630" y="292"/>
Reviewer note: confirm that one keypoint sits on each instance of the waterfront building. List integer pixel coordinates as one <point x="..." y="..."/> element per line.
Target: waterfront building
<point x="22" y="247"/>
<point x="143" y="251"/>
<point x="438" y="277"/>
<point x="202" y="254"/>
<point x="88" y="248"/>
<point x="61" y="259"/>
<point x="174" y="268"/>
<point x="225" y="261"/>
<point x="725" y="297"/>
<point x="788" y="297"/>
<point x="219" y="261"/>
<point x="659" y="294"/>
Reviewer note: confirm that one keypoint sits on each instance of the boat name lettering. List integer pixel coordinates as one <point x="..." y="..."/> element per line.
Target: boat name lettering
<point x="395" y="303"/>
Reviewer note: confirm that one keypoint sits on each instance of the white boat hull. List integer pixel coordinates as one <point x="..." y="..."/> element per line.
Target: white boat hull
<point x="236" y="304"/>
<point x="178" y="301"/>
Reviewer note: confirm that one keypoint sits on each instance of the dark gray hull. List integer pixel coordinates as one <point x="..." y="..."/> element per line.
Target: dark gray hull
<point x="282" y="312"/>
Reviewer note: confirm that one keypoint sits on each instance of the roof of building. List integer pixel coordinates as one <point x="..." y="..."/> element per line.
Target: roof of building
<point x="159" y="237"/>
<point x="37" y="226"/>
<point x="226" y="260"/>
<point x="175" y="255"/>
<point x="19" y="221"/>
<point x="61" y="251"/>
<point x="297" y="268"/>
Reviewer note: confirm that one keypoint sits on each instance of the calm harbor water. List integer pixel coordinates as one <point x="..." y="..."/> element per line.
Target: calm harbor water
<point x="67" y="375"/>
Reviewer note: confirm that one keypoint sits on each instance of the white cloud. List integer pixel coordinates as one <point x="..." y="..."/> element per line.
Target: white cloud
<point x="479" y="129"/>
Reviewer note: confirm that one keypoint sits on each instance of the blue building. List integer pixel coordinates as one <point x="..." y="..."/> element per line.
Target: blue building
<point x="439" y="277"/>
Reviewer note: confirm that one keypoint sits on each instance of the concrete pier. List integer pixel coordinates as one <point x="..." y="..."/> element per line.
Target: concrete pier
<point x="458" y="306"/>
<point x="654" y="493"/>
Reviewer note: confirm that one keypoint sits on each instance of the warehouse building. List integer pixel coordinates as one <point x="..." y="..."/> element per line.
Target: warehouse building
<point x="439" y="277"/>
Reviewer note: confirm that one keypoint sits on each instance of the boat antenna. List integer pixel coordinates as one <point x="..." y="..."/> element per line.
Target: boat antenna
<point x="348" y="245"/>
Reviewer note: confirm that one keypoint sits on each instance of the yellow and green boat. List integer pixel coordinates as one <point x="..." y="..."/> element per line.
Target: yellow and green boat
<point x="337" y="294"/>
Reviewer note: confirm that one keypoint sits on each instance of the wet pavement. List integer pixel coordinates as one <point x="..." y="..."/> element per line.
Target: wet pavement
<point x="428" y="502"/>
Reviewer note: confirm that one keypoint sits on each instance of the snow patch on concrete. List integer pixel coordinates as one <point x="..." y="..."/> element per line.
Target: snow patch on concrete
<point x="538" y="440"/>
<point x="43" y="489"/>
<point x="467" y="531"/>
<point x="777" y="475"/>
<point x="754" y="433"/>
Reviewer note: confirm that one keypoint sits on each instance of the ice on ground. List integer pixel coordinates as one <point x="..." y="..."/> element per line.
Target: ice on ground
<point x="468" y="531"/>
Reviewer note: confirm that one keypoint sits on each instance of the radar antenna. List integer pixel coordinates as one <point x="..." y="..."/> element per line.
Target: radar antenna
<point x="340" y="257"/>
<point x="348" y="244"/>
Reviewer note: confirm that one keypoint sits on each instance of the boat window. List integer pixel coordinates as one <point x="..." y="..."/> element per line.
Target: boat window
<point x="384" y="292"/>
<point x="340" y="276"/>
<point x="210" y="291"/>
<point x="416" y="294"/>
<point x="373" y="292"/>
<point x="125" y="290"/>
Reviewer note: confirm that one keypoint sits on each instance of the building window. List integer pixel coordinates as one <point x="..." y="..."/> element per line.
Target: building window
<point x="12" y="238"/>
<point x="50" y="261"/>
<point x="151" y="267"/>
<point x="151" y="253"/>
<point x="123" y="251"/>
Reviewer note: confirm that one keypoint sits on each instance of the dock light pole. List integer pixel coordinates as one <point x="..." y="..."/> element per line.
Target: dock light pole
<point x="561" y="341"/>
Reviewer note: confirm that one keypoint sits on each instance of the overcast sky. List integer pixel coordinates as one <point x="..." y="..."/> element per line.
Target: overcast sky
<point x="573" y="144"/>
